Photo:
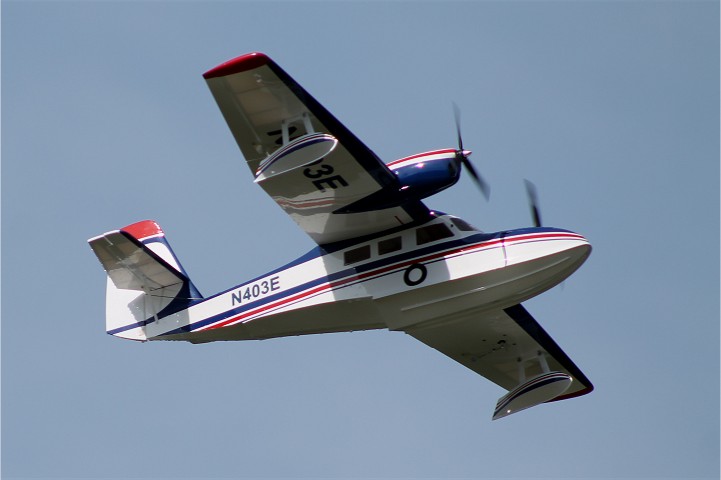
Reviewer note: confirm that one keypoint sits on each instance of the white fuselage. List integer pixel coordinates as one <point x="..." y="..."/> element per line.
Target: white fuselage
<point x="426" y="273"/>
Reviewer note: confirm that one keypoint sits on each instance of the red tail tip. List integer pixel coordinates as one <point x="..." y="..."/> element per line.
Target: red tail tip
<point x="142" y="230"/>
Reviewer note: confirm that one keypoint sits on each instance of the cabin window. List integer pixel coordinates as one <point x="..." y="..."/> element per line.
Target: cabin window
<point x="357" y="254"/>
<point x="432" y="233"/>
<point x="389" y="245"/>
<point x="463" y="225"/>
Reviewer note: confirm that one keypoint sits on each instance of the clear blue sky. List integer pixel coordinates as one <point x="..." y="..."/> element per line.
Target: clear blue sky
<point x="611" y="108"/>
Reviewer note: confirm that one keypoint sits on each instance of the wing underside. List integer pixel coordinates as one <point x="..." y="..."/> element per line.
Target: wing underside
<point x="506" y="346"/>
<point x="301" y="155"/>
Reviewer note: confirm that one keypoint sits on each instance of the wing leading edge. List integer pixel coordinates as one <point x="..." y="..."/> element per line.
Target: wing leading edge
<point x="301" y="155"/>
<point x="512" y="350"/>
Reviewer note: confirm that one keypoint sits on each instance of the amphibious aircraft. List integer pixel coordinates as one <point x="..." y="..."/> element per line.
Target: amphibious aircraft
<point x="383" y="258"/>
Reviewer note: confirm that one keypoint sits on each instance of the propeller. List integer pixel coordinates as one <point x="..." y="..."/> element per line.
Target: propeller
<point x="462" y="156"/>
<point x="533" y="202"/>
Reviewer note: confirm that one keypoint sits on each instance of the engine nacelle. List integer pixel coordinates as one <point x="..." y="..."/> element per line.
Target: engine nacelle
<point x="428" y="173"/>
<point x="419" y="176"/>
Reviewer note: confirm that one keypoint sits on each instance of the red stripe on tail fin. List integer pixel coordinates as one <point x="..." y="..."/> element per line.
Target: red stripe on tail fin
<point x="142" y="230"/>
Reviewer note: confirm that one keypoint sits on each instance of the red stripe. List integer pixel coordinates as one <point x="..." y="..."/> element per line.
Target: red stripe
<point x="263" y="308"/>
<point x="434" y="152"/>
<point x="548" y="236"/>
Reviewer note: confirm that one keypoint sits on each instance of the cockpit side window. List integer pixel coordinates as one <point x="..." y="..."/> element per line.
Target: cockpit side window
<point x="357" y="254"/>
<point x="389" y="245"/>
<point x="431" y="233"/>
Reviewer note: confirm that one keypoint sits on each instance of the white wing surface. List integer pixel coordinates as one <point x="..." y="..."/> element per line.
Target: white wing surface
<point x="302" y="156"/>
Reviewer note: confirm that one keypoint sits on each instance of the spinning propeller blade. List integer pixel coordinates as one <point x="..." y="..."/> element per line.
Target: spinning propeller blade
<point x="462" y="156"/>
<point x="535" y="211"/>
<point x="533" y="202"/>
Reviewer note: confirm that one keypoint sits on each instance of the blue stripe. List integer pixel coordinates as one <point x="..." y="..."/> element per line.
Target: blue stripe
<point x="130" y="327"/>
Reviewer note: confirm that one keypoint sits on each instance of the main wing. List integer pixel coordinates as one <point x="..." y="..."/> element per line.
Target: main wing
<point x="512" y="350"/>
<point x="302" y="156"/>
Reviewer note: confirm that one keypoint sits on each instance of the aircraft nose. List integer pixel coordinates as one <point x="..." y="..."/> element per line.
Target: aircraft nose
<point x="549" y="246"/>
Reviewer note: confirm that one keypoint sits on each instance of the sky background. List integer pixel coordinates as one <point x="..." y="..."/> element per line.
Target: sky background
<point x="611" y="108"/>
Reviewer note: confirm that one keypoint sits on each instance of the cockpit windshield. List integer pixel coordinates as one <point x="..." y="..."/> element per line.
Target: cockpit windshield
<point x="463" y="225"/>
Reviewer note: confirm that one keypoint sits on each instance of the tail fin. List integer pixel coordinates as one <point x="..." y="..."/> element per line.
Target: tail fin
<point x="145" y="278"/>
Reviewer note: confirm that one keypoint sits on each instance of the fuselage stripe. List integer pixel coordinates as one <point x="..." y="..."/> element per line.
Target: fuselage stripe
<point x="395" y="164"/>
<point x="352" y="276"/>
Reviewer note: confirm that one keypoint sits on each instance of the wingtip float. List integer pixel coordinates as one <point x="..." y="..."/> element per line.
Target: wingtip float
<point x="383" y="260"/>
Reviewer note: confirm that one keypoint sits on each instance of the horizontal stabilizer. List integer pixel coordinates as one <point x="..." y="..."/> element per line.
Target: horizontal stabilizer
<point x="131" y="265"/>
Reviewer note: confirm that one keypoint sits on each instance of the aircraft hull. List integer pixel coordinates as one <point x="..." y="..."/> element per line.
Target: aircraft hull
<point x="492" y="289"/>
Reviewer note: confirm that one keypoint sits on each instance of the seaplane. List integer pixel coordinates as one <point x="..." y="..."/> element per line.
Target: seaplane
<point x="383" y="259"/>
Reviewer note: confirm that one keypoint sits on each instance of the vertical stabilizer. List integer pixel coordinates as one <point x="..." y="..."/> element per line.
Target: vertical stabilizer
<point x="145" y="278"/>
